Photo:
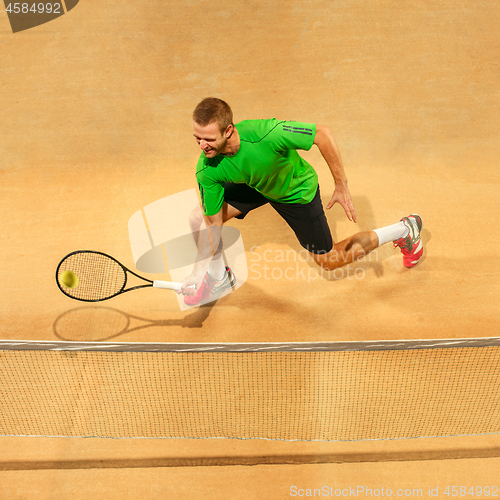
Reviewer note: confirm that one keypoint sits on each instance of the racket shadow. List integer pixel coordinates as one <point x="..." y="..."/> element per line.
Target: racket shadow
<point x="98" y="323"/>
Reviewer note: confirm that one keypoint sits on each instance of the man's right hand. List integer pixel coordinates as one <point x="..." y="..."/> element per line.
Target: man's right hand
<point x="187" y="287"/>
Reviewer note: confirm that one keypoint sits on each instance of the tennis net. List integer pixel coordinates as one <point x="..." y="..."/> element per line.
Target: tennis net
<point x="296" y="391"/>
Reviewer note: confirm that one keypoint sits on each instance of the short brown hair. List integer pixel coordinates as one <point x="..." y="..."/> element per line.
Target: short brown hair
<point x="212" y="110"/>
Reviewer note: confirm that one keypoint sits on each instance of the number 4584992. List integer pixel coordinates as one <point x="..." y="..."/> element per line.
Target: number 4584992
<point x="41" y="8"/>
<point x="463" y="491"/>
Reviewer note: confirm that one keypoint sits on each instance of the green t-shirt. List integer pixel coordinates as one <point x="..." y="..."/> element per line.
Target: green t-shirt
<point x="267" y="161"/>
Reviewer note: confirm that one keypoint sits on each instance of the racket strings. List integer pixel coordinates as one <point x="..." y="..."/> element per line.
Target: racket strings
<point x="99" y="276"/>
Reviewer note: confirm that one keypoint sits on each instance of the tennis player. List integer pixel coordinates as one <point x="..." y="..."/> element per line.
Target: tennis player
<point x="254" y="162"/>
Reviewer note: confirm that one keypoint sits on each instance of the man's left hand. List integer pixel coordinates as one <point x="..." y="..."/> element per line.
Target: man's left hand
<point x="342" y="196"/>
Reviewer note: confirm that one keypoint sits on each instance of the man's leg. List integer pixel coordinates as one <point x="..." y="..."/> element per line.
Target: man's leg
<point x="404" y="234"/>
<point x="196" y="222"/>
<point x="309" y="223"/>
<point x="218" y="277"/>
<point x="347" y="251"/>
<point x="239" y="200"/>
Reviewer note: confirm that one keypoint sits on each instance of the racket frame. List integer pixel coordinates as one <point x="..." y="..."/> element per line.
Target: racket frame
<point x="122" y="289"/>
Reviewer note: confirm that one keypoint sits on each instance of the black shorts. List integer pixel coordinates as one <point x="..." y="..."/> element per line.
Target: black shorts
<point x="307" y="220"/>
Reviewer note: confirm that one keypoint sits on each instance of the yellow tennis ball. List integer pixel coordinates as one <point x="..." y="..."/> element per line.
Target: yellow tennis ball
<point x="69" y="279"/>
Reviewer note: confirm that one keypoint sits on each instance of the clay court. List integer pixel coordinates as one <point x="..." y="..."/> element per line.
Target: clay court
<point x="95" y="124"/>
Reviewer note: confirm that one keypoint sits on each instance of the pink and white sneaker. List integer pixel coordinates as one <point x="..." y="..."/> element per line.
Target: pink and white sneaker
<point x="210" y="288"/>
<point x="411" y="246"/>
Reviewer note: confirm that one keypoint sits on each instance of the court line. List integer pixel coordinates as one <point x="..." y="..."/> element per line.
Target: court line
<point x="226" y="461"/>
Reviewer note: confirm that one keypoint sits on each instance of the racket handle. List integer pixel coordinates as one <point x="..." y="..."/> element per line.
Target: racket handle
<point x="169" y="285"/>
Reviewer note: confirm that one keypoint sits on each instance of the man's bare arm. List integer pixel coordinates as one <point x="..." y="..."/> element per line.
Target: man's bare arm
<point x="328" y="147"/>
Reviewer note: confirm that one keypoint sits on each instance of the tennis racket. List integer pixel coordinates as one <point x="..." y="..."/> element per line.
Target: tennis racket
<point x="100" y="277"/>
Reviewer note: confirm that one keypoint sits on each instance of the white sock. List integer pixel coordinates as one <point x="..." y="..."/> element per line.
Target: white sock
<point x="391" y="233"/>
<point x="217" y="269"/>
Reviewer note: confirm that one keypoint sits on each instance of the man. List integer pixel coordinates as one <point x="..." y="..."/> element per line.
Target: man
<point x="255" y="162"/>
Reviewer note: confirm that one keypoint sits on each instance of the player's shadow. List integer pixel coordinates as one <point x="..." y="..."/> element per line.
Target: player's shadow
<point x="98" y="323"/>
<point x="265" y="303"/>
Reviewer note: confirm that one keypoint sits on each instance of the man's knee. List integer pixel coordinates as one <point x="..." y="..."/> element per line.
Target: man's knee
<point x="328" y="261"/>
<point x="335" y="258"/>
